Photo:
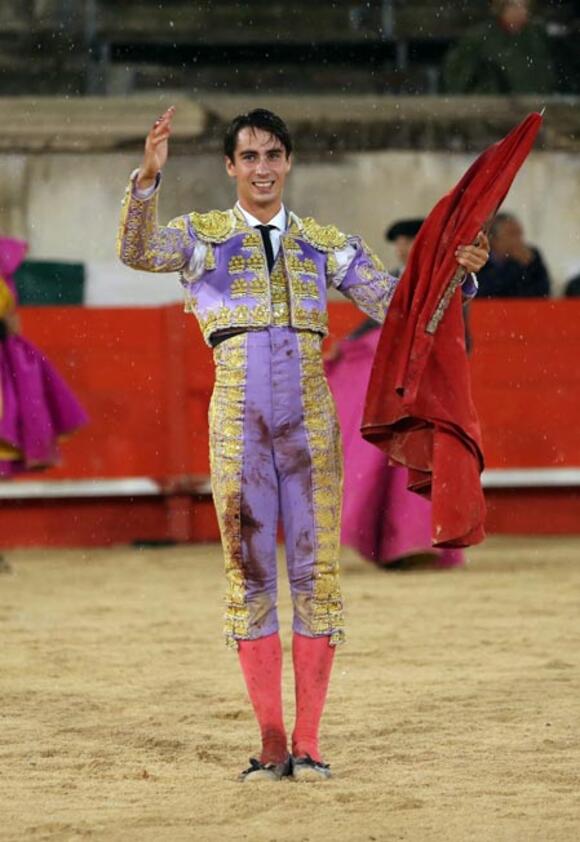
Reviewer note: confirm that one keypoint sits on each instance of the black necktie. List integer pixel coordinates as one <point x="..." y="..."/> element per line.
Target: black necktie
<point x="265" y="232"/>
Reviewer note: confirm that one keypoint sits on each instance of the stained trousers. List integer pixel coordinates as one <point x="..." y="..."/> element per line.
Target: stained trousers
<point x="276" y="455"/>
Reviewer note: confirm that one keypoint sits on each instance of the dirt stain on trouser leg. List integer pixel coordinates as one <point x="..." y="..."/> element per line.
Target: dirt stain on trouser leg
<point x="286" y="457"/>
<point x="309" y="463"/>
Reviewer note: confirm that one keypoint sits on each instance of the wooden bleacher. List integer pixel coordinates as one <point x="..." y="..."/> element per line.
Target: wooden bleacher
<point x="103" y="46"/>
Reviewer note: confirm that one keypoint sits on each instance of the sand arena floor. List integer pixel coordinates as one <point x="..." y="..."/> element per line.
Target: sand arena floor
<point x="453" y="713"/>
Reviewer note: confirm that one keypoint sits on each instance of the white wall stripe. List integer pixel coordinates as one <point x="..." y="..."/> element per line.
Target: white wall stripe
<point x="145" y="486"/>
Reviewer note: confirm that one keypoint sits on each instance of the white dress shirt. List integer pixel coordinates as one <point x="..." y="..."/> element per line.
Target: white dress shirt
<point x="278" y="222"/>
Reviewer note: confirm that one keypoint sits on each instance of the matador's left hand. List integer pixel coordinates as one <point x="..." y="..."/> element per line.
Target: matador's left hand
<point x="473" y="258"/>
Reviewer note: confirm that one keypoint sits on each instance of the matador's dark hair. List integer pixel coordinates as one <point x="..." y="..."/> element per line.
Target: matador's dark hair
<point x="259" y="118"/>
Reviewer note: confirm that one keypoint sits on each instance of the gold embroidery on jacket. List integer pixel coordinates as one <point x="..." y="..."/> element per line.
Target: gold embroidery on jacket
<point x="253" y="263"/>
<point x="373" y="257"/>
<point x="279" y="295"/>
<point x="215" y="226"/>
<point x="305" y="289"/>
<point x="252" y="241"/>
<point x="322" y="237"/>
<point x="278" y="300"/>
<point x="310" y="319"/>
<point x="241" y="316"/>
<point x="302" y="275"/>
<point x="375" y="291"/>
<point x="255" y="287"/>
<point x="209" y="260"/>
<point x="301" y="265"/>
<point x="142" y="243"/>
<point x="331" y="265"/>
<point x="191" y="304"/>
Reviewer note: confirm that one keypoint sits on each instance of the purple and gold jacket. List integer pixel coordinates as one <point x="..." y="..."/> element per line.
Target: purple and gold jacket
<point x="225" y="275"/>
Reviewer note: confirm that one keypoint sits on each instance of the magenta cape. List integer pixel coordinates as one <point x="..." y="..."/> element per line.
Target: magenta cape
<point x="36" y="405"/>
<point x="381" y="519"/>
<point x="419" y="409"/>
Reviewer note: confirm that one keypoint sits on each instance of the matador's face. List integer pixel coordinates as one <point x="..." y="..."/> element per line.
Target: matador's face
<point x="260" y="167"/>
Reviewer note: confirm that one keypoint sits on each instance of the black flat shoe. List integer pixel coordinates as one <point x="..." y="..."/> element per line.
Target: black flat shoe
<point x="307" y="769"/>
<point x="259" y="771"/>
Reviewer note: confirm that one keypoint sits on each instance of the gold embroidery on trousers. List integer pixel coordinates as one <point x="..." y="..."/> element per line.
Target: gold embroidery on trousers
<point x="226" y="423"/>
<point x="323" y="435"/>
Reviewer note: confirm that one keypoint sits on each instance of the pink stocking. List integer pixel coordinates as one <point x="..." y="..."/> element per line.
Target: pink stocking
<point x="261" y="662"/>
<point x="313" y="658"/>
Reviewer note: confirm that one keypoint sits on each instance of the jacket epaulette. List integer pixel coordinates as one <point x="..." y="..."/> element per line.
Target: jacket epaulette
<point x="322" y="237"/>
<point x="213" y="227"/>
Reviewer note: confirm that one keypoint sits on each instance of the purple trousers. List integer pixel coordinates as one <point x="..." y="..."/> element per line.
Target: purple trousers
<point x="275" y="454"/>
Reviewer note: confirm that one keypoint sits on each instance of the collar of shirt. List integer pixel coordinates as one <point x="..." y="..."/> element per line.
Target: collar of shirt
<point x="278" y="221"/>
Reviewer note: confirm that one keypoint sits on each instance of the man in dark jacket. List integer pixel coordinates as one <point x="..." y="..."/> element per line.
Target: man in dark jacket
<point x="515" y="269"/>
<point x="507" y="55"/>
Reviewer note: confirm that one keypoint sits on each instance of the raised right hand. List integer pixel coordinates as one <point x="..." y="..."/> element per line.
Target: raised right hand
<point x="156" y="150"/>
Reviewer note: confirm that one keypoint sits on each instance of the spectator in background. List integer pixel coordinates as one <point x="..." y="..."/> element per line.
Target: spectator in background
<point x="508" y="55"/>
<point x="515" y="269"/>
<point x="402" y="234"/>
<point x="572" y="289"/>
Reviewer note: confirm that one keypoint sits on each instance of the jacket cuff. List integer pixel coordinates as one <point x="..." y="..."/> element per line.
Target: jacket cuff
<point x="144" y="194"/>
<point x="470" y="286"/>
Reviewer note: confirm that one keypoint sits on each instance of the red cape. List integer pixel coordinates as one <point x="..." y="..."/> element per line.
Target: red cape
<point x="419" y="409"/>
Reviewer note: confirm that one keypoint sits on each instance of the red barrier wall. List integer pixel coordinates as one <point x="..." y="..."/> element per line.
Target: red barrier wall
<point x="145" y="377"/>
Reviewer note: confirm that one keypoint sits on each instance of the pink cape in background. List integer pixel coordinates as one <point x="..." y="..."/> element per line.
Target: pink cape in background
<point x="37" y="407"/>
<point x="381" y="519"/>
